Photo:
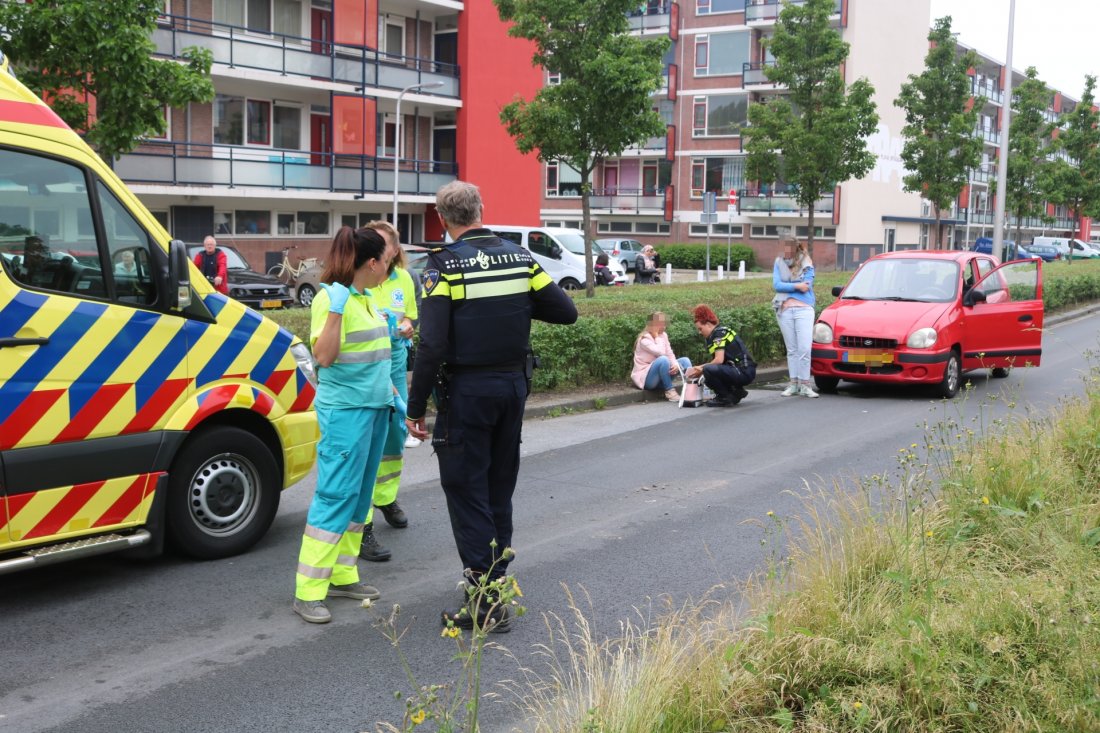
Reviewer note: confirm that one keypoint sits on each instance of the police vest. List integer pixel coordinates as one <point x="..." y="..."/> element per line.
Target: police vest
<point x="489" y="281"/>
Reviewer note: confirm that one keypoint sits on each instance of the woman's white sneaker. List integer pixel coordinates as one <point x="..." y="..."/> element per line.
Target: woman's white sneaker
<point x="792" y="389"/>
<point x="806" y="390"/>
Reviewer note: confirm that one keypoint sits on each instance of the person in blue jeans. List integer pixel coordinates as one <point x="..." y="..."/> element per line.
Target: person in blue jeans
<point x="654" y="362"/>
<point x="793" y="281"/>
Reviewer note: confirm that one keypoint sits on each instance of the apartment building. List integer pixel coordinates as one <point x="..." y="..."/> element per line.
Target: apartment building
<point x="304" y="136"/>
<point x="715" y="70"/>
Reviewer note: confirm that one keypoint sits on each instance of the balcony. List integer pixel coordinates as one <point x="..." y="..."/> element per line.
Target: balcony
<point x="305" y="58"/>
<point x="656" y="15"/>
<point x="627" y="201"/>
<point x="752" y="73"/>
<point x="988" y="90"/>
<point x="192" y="164"/>
<point x="989" y="136"/>
<point x="779" y="203"/>
<point x="767" y="11"/>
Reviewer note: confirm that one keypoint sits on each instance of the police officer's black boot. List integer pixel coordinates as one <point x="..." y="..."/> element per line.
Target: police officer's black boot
<point x="371" y="550"/>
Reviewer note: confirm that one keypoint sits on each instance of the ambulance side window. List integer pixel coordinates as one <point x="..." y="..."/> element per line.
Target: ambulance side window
<point x="128" y="250"/>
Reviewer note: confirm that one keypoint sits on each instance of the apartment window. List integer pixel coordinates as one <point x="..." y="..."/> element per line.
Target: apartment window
<point x="228" y="120"/>
<point x="723" y="53"/>
<point x="717" y="174"/>
<point x="394" y="34"/>
<point x="288" y="127"/>
<point x="234" y="115"/>
<point x="561" y="180"/>
<point x="167" y="134"/>
<point x="303" y="222"/>
<point x="223" y="222"/>
<point x="265" y="16"/>
<point x="162" y="218"/>
<point x="720" y="114"/>
<point x="702" y="52"/>
<point x="632" y="227"/>
<point x="563" y="223"/>
<point x="923" y="236"/>
<point x="259" y="122"/>
<point x="252" y="222"/>
<point x="553" y="78"/>
<point x="819" y="232"/>
<point x="700" y="230"/>
<point x="706" y="7"/>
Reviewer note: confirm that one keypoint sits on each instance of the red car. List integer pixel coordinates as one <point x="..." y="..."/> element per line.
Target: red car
<point x="925" y="317"/>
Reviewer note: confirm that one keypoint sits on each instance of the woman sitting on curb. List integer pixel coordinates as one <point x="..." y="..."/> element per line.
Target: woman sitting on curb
<point x="654" y="362"/>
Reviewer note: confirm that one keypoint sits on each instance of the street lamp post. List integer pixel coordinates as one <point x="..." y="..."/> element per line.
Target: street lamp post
<point x="397" y="138"/>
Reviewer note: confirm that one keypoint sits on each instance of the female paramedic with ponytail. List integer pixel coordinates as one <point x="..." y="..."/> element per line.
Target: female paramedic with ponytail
<point x="354" y="402"/>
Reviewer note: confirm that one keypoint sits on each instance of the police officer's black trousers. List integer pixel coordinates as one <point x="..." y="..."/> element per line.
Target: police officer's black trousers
<point x="477" y="443"/>
<point x="725" y="378"/>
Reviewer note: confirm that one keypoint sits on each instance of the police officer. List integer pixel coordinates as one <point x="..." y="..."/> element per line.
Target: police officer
<point x="480" y="294"/>
<point x="731" y="366"/>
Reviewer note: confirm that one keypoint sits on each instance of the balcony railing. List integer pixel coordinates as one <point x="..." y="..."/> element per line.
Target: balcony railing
<point x="302" y="57"/>
<point x="655" y="16"/>
<point x="752" y="202"/>
<point x="627" y="201"/>
<point x="990" y="136"/>
<point x="194" y="164"/>
<point x="989" y="91"/>
<point x="986" y="218"/>
<point x="770" y="9"/>
<point x="752" y="72"/>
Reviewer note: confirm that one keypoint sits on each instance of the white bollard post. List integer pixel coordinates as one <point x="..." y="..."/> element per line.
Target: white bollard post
<point x="721" y="275"/>
<point x="668" y="273"/>
<point x="741" y="271"/>
<point x="698" y="276"/>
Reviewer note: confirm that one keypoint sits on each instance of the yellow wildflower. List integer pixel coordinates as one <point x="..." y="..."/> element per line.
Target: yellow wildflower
<point x="515" y="588"/>
<point x="418" y="717"/>
<point x="985" y="500"/>
<point x="928" y="533"/>
<point x="771" y="514"/>
<point x="451" y="631"/>
<point x="857" y="705"/>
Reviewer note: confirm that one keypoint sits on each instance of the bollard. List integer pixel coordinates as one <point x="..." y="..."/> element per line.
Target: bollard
<point x="741" y="271"/>
<point x="668" y="273"/>
<point x="721" y="275"/>
<point x="698" y="276"/>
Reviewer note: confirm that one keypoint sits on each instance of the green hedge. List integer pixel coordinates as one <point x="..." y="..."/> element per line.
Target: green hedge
<point x="599" y="348"/>
<point x="694" y="256"/>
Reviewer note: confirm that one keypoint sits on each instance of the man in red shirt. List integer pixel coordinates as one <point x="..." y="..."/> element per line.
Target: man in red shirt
<point x="212" y="263"/>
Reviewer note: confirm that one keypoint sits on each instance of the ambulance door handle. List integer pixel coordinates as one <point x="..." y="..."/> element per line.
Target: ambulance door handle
<point x="11" y="341"/>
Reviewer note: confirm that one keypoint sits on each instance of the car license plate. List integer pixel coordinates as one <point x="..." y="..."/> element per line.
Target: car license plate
<point x="271" y="304"/>
<point x="873" y="358"/>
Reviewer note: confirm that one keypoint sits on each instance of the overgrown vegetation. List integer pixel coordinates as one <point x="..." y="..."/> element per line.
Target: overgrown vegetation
<point x="599" y="348"/>
<point x="960" y="592"/>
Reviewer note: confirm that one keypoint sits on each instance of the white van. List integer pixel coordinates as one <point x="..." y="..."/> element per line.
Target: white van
<point x="558" y="250"/>
<point x="1080" y="249"/>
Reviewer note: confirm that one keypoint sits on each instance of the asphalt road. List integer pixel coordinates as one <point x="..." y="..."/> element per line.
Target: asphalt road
<point x="630" y="504"/>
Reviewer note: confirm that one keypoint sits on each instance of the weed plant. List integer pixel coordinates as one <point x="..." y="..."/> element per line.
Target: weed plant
<point x="959" y="592"/>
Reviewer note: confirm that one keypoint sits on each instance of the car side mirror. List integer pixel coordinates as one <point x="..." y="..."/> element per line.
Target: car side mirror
<point x="837" y="290"/>
<point x="555" y="250"/>
<point x="973" y="296"/>
<point x="179" y="276"/>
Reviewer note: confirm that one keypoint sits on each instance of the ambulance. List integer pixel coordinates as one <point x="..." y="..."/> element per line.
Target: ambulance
<point x="137" y="404"/>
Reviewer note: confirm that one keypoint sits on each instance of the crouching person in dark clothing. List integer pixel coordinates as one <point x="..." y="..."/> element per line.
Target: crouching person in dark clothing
<point x="731" y="366"/>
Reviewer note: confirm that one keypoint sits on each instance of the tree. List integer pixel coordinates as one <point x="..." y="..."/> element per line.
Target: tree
<point x="1029" y="169"/>
<point x="602" y="104"/>
<point x="940" y="145"/>
<point x="70" y="51"/>
<point x="816" y="135"/>
<point x="1075" y="183"/>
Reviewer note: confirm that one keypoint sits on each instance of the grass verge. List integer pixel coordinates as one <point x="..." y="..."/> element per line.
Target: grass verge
<point x="896" y="607"/>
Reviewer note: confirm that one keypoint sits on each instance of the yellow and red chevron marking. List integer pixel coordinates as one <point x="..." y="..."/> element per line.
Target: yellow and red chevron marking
<point x="110" y="370"/>
<point x="77" y="510"/>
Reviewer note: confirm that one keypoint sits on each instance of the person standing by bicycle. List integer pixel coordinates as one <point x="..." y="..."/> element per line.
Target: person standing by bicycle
<point x="396" y="298"/>
<point x="213" y="264"/>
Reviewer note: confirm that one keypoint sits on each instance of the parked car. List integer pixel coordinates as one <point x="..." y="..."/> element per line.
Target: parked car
<point x="252" y="288"/>
<point x="922" y="317"/>
<point x="1084" y="250"/>
<point x="1045" y="252"/>
<point x="625" y="251"/>
<point x="984" y="245"/>
<point x="1064" y="245"/>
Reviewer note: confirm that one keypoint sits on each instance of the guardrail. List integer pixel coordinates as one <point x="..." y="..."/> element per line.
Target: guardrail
<point x="199" y="164"/>
<point x="752" y="72"/>
<point x="303" y="57"/>
<point x="770" y="9"/>
<point x="626" y="200"/>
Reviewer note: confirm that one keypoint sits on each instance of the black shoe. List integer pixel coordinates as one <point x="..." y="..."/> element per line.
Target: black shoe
<point x="496" y="620"/>
<point x="741" y="393"/>
<point x="720" y="402"/>
<point x="371" y="550"/>
<point x="394" y="515"/>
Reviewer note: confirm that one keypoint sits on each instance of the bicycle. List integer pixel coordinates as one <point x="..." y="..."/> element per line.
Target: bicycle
<point x="287" y="273"/>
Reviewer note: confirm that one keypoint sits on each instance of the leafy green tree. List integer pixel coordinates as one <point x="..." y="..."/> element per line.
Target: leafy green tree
<point x="815" y="136"/>
<point x="72" y="50"/>
<point x="602" y="105"/>
<point x="1075" y="183"/>
<point x="940" y="145"/>
<point x="1029" y="167"/>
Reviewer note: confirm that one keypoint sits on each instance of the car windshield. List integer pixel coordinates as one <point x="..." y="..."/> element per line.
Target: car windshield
<point x="597" y="249"/>
<point x="572" y="242"/>
<point x="909" y="279"/>
<point x="233" y="259"/>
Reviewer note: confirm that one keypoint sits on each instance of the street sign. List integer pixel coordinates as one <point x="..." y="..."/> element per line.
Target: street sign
<point x="709" y="199"/>
<point x="708" y="217"/>
<point x="733" y="197"/>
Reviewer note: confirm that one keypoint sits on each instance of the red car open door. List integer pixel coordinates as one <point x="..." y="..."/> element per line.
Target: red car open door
<point x="1004" y="317"/>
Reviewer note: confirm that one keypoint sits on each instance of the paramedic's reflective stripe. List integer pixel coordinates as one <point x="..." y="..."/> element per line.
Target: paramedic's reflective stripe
<point x="365" y="336"/>
<point x="314" y="573"/>
<point x="327" y="557"/>
<point x="365" y="357"/>
<point x="322" y="535"/>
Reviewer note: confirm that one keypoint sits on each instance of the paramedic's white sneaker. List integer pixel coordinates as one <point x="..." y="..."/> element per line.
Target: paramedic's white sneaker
<point x="806" y="390"/>
<point x="412" y="441"/>
<point x="791" y="390"/>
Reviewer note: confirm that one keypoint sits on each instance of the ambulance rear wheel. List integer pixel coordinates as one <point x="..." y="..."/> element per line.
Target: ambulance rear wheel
<point x="223" y="492"/>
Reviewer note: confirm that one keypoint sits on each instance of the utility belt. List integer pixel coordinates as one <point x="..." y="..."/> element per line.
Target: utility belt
<point x="508" y="366"/>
